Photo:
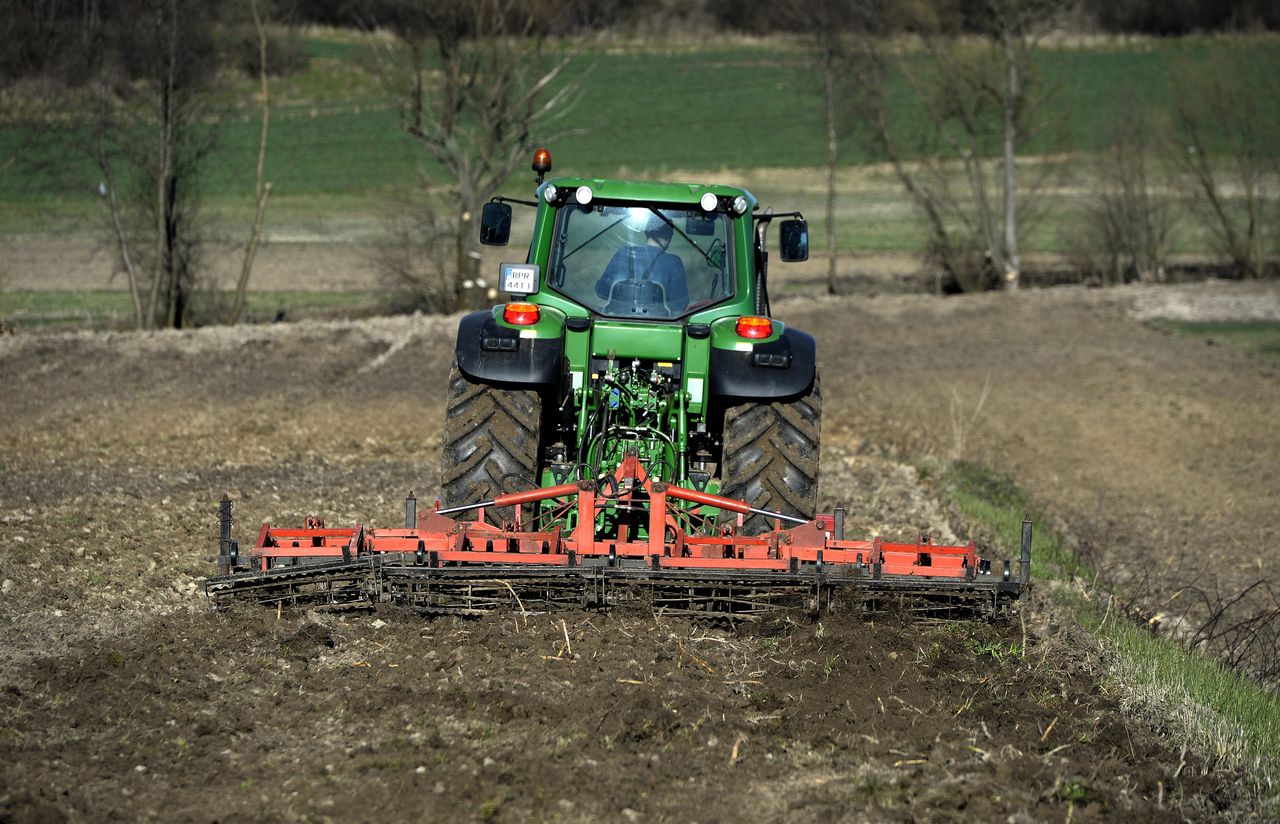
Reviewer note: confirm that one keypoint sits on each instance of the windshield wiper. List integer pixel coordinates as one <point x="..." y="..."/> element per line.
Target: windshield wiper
<point x="591" y="239"/>
<point x="687" y="239"/>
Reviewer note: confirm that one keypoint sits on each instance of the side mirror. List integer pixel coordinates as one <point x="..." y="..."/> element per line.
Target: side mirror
<point x="794" y="241"/>
<point x="495" y="224"/>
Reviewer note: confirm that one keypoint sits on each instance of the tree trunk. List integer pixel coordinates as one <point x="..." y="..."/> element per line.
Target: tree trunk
<point x="468" y="263"/>
<point x="1257" y="248"/>
<point x="415" y="54"/>
<point x="833" y="154"/>
<point x="261" y="190"/>
<point x="164" y="167"/>
<point x="164" y="171"/>
<point x="1012" y="101"/>
<point x="113" y="202"/>
<point x="175" y="270"/>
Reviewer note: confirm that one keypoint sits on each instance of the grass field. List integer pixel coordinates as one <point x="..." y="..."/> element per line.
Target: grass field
<point x="688" y="110"/>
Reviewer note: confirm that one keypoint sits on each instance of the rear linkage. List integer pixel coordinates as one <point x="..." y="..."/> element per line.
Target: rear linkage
<point x="673" y="557"/>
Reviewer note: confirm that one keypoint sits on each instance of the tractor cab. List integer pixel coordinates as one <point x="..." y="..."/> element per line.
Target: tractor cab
<point x="641" y="251"/>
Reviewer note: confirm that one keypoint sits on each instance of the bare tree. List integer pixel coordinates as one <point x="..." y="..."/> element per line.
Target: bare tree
<point x="1226" y="130"/>
<point x="476" y="118"/>
<point x="827" y="28"/>
<point x="828" y="24"/>
<point x="262" y="187"/>
<point x="1129" y="220"/>
<point x="414" y="258"/>
<point x="111" y="191"/>
<point x="115" y="54"/>
<point x="829" y="53"/>
<point x="975" y="99"/>
<point x="157" y="60"/>
<point x="834" y="26"/>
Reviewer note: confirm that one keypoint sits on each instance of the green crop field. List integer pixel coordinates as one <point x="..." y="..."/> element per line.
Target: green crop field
<point x="721" y="110"/>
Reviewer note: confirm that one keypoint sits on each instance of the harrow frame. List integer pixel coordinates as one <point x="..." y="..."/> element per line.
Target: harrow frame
<point x="669" y="553"/>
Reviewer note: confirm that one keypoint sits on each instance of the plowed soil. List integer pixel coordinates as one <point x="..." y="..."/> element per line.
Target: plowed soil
<point x="125" y="698"/>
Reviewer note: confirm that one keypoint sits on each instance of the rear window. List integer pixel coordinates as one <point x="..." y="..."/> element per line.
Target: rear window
<point x="641" y="262"/>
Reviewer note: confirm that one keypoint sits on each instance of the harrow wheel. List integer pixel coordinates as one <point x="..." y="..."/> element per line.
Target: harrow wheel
<point x="771" y="457"/>
<point x="491" y="438"/>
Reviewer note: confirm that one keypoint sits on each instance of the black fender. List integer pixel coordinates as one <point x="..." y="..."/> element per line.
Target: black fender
<point x="783" y="368"/>
<point x="490" y="352"/>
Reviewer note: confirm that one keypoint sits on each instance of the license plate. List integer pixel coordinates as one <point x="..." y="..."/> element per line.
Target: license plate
<point x="519" y="278"/>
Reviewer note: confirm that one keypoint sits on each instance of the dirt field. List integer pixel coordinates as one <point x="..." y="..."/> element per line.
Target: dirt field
<point x="1160" y="454"/>
<point x="126" y="699"/>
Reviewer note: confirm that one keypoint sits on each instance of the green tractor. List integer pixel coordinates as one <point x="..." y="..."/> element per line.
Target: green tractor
<point x="634" y="426"/>
<point x="639" y="326"/>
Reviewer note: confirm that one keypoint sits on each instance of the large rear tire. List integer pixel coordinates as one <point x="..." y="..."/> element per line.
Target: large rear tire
<point x="770" y="457"/>
<point x="491" y="439"/>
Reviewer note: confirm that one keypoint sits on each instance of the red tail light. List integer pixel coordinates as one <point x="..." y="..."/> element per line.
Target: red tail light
<point x="750" y="326"/>
<point x="520" y="314"/>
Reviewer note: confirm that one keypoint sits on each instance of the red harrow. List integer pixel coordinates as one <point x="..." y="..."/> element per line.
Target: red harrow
<point x="671" y="554"/>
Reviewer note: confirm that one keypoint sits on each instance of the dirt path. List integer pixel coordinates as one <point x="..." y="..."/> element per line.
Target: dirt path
<point x="126" y="699"/>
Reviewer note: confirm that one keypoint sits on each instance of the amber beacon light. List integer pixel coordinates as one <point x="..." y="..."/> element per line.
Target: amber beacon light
<point x="541" y="163"/>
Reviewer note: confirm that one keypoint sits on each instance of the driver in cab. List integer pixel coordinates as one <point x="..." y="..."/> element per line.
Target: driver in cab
<point x="645" y="281"/>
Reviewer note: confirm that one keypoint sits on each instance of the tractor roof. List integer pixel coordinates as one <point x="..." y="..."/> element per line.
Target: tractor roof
<point x="644" y="190"/>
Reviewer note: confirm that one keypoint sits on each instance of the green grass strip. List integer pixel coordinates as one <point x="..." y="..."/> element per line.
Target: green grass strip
<point x="1234" y="716"/>
<point x="109" y="308"/>
<point x="1259" y="336"/>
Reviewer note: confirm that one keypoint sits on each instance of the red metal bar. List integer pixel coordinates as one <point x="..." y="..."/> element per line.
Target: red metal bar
<point x="532" y="495"/>
<point x="722" y="563"/>
<point x="693" y="496"/>
<point x="584" y="533"/>
<point x="472" y="557"/>
<point x="657" y="518"/>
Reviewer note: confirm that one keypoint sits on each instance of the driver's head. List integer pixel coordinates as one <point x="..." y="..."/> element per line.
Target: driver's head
<point x="660" y="231"/>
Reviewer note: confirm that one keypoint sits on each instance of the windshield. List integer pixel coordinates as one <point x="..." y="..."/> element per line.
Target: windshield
<point x="641" y="262"/>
